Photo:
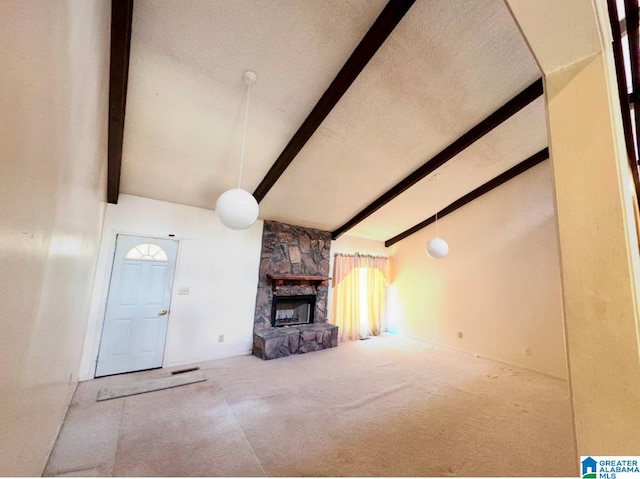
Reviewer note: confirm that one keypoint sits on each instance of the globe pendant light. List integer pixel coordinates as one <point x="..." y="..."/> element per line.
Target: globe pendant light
<point x="237" y="208"/>
<point x="437" y="248"/>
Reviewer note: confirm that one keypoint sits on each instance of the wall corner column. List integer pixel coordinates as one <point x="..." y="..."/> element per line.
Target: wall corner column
<point x="596" y="225"/>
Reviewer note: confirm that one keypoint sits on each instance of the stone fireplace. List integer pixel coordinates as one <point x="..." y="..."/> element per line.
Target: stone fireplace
<point x="291" y="302"/>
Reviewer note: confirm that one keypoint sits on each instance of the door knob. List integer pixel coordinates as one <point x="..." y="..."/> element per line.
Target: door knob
<point x="163" y="312"/>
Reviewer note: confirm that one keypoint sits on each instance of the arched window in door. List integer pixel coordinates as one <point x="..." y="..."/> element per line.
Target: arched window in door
<point x="147" y="252"/>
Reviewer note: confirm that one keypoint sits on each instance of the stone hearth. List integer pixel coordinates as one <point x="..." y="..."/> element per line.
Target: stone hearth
<point x="280" y="342"/>
<point x="295" y="251"/>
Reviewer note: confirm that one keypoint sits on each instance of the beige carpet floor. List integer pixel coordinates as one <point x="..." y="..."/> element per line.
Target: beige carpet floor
<point x="382" y="407"/>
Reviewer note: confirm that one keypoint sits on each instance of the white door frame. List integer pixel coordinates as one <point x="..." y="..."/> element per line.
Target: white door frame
<point x="98" y="306"/>
<point x="139" y="360"/>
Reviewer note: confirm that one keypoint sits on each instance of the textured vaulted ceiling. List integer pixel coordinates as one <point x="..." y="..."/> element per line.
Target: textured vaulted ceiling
<point x="447" y="65"/>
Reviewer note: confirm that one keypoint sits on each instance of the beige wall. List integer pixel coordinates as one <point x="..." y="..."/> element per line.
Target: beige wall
<point x="53" y="114"/>
<point x="599" y="254"/>
<point x="500" y="284"/>
<point x="353" y="244"/>
<point x="597" y="235"/>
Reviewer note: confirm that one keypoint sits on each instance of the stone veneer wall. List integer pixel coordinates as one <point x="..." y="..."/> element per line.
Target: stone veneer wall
<point x="288" y="249"/>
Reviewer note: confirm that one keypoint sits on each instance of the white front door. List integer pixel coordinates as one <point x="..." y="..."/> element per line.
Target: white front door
<point x="137" y="313"/>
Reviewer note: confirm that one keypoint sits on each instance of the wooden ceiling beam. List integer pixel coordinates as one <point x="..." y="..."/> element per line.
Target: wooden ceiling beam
<point x="505" y="112"/>
<point x="633" y="26"/>
<point x="121" y="19"/>
<point x="469" y="197"/>
<point x="623" y="96"/>
<point x="368" y="46"/>
<point x="623" y="22"/>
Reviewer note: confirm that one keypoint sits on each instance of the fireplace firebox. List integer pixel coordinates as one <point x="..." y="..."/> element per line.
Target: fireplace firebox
<point x="292" y="310"/>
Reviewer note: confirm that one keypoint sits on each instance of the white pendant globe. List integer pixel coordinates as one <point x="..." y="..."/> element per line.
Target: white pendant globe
<point x="237" y="209"/>
<point x="437" y="248"/>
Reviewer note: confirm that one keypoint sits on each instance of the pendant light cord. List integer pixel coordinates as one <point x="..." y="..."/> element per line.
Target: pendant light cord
<point x="436" y="181"/>
<point x="244" y="133"/>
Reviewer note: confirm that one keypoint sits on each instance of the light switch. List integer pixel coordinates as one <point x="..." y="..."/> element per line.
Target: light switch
<point x="184" y="290"/>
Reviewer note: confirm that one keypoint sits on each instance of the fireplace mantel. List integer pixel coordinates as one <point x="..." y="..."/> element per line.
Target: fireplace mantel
<point x="279" y="279"/>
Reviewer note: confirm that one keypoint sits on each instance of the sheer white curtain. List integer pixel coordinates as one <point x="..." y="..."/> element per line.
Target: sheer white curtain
<point x="352" y="291"/>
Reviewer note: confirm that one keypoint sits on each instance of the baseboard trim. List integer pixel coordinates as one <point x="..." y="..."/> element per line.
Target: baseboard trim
<point x="72" y="392"/>
<point x="478" y="355"/>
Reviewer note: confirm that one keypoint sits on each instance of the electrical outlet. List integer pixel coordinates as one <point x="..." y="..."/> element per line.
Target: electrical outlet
<point x="221" y="338"/>
<point x="184" y="290"/>
<point x="527" y="351"/>
<point x="460" y="335"/>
